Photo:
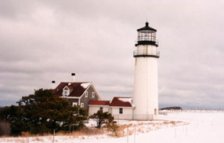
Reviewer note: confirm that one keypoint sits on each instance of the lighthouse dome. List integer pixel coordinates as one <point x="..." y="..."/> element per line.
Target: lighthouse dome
<point x="146" y="35"/>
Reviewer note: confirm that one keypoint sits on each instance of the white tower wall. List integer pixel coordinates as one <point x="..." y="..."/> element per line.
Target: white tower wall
<point x="145" y="88"/>
<point x="146" y="82"/>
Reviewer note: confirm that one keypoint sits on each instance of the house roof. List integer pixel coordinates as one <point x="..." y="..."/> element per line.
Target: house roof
<point x="76" y="88"/>
<point x="99" y="102"/>
<point x="121" y="101"/>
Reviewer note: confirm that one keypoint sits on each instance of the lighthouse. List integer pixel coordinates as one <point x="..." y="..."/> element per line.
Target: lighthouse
<point x="146" y="55"/>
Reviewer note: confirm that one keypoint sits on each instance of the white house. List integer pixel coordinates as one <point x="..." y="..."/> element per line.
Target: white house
<point x="122" y="108"/>
<point x="119" y="107"/>
<point x="96" y="105"/>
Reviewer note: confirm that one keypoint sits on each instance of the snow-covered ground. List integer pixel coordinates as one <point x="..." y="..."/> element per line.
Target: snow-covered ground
<point x="197" y="127"/>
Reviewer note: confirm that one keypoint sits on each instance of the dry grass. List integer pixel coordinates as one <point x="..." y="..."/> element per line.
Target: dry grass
<point x="83" y="132"/>
<point x="116" y="130"/>
<point x="89" y="131"/>
<point x="142" y="127"/>
<point x="26" y="134"/>
<point x="122" y="131"/>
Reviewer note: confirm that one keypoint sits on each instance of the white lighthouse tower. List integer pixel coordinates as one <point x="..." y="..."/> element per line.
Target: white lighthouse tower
<point x="146" y="56"/>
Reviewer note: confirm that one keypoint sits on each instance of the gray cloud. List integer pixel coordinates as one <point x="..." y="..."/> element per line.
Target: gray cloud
<point x="46" y="40"/>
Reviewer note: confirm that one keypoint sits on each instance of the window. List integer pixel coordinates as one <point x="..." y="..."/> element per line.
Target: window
<point x="74" y="104"/>
<point x="120" y="110"/>
<point x="101" y="108"/>
<point x="93" y="94"/>
<point x="82" y="105"/>
<point x="86" y="94"/>
<point x="66" y="91"/>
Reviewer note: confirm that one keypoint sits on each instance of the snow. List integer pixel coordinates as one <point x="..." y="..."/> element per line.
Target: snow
<point x="91" y="123"/>
<point x="195" y="127"/>
<point x="126" y="99"/>
<point x="85" y="85"/>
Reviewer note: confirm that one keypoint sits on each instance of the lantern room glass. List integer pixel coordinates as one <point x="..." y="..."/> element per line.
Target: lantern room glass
<point x="146" y="35"/>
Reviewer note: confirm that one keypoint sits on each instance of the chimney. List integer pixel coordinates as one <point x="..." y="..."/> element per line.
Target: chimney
<point x="73" y="77"/>
<point x="53" y="84"/>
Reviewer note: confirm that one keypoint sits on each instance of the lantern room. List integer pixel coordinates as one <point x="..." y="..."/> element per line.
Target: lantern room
<point x="146" y="36"/>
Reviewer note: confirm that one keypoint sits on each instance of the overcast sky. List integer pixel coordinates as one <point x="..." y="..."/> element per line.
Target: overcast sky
<point x="45" y="40"/>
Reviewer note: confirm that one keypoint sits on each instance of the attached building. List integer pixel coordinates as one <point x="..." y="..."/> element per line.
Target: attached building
<point x="119" y="107"/>
<point x="96" y="105"/>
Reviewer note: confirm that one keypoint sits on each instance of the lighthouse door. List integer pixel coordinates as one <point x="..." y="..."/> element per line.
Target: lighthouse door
<point x="155" y="111"/>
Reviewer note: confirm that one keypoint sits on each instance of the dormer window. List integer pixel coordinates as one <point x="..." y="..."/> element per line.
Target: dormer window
<point x="66" y="91"/>
<point x="93" y="94"/>
<point x="86" y="94"/>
